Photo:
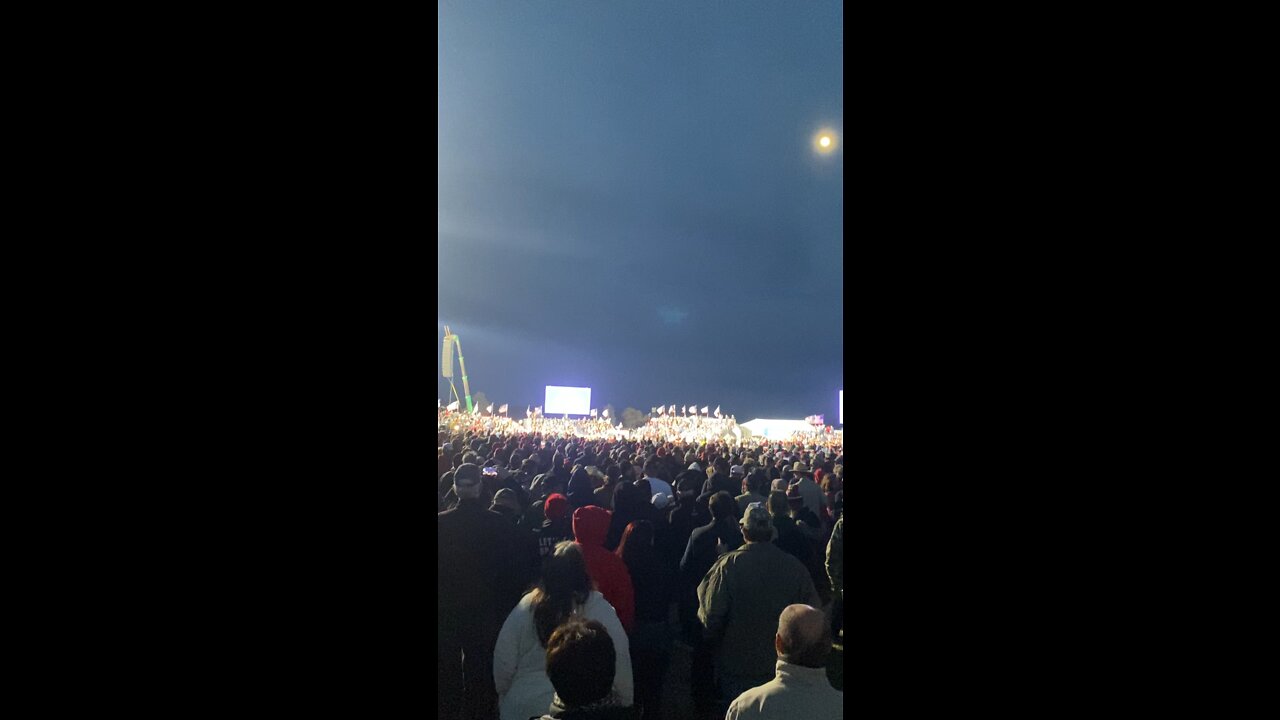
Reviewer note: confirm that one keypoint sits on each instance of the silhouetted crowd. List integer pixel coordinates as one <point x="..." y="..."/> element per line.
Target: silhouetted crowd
<point x="568" y="568"/>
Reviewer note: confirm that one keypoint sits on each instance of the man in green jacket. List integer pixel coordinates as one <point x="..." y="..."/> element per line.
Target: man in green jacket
<point x="740" y="600"/>
<point x="835" y="571"/>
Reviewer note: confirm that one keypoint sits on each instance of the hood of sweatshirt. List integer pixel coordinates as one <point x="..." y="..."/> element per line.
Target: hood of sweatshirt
<point x="591" y="525"/>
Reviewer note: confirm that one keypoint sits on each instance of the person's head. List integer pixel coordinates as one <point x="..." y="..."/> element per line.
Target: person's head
<point x="757" y="482"/>
<point x="637" y="539"/>
<point x="794" y="500"/>
<point x="564" y="585"/>
<point x="506" y="502"/>
<point x="802" y="637"/>
<point x="756" y="524"/>
<point x="466" y="481"/>
<point x="778" y="505"/>
<point x="722" y="505"/>
<point x="653" y="468"/>
<point x="645" y="487"/>
<point x="581" y="662"/>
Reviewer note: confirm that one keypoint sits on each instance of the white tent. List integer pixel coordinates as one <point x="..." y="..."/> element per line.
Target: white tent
<point x="764" y="427"/>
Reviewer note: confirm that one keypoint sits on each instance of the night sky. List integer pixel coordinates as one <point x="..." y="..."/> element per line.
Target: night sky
<point x="629" y="199"/>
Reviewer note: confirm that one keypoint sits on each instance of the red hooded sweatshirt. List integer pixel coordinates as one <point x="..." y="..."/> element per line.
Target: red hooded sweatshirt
<point x="590" y="526"/>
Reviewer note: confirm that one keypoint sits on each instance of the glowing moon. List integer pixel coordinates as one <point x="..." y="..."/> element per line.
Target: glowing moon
<point x="825" y="141"/>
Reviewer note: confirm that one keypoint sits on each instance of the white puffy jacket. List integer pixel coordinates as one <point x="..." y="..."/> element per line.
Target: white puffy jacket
<point x="519" y="660"/>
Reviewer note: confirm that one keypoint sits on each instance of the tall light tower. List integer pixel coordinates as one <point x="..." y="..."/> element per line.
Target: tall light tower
<point x="446" y="366"/>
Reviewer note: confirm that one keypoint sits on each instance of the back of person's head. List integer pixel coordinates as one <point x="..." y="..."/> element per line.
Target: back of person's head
<point x="778" y="505"/>
<point x="653" y="467"/>
<point x="723" y="505"/>
<point x="581" y="662"/>
<point x="637" y="542"/>
<point x="564" y="585"/>
<point x="758" y="481"/>
<point x="802" y="636"/>
<point x="466" y="481"/>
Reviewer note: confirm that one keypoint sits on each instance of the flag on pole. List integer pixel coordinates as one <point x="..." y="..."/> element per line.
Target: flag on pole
<point x="503" y="409"/>
<point x="704" y="411"/>
<point x="528" y="412"/>
<point x="606" y="413"/>
<point x="490" y="409"/>
<point x="662" y="410"/>
<point x="453" y="405"/>
<point x="717" y="411"/>
<point x="684" y="409"/>
<point x="673" y="409"/>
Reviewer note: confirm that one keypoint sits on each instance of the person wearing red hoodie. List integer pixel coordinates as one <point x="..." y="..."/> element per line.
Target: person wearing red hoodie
<point x="590" y="526"/>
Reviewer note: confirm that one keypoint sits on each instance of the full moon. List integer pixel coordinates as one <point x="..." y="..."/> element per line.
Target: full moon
<point x="825" y="141"/>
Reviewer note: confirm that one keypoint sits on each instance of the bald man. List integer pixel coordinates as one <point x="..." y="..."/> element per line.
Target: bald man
<point x="801" y="688"/>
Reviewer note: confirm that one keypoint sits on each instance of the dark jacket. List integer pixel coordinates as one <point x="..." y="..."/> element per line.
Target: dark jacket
<point x="607" y="712"/>
<point x="480" y="570"/>
<point x="552" y="533"/>
<point x="581" y="489"/>
<point x="652" y="583"/>
<point x="700" y="554"/>
<point x="794" y="543"/>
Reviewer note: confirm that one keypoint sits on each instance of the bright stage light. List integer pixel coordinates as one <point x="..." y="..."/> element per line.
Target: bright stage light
<point x="825" y="141"/>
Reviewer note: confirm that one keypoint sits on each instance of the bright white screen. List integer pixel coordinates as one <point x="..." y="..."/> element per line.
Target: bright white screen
<point x="841" y="407"/>
<point x="567" y="401"/>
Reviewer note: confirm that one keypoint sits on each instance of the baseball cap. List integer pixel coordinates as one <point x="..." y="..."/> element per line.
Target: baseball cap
<point x="737" y="470"/>
<point x="506" y="497"/>
<point x="756" y="517"/>
<point x="466" y="474"/>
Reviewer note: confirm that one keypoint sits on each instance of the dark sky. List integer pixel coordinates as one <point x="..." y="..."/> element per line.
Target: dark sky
<point x="629" y="199"/>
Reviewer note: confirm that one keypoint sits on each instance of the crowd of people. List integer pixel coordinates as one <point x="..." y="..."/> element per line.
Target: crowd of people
<point x="569" y="567"/>
<point x="656" y="428"/>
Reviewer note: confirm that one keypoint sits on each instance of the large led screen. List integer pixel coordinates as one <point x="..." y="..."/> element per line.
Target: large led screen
<point x="567" y="401"/>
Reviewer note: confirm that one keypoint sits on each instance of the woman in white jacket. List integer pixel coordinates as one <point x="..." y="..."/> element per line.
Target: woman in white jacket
<point x="519" y="660"/>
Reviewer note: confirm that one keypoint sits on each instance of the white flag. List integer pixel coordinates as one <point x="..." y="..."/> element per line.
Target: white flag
<point x="475" y="409"/>
<point x="503" y="409"/>
<point x="662" y="410"/>
<point x="537" y="410"/>
<point x="453" y="405"/>
<point x="490" y="409"/>
<point x="717" y="411"/>
<point x="606" y="412"/>
<point x="593" y="412"/>
<point x="704" y="411"/>
<point x="684" y="409"/>
<point x="527" y="411"/>
<point x="673" y="409"/>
